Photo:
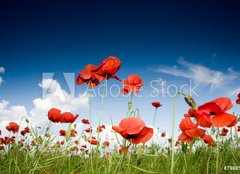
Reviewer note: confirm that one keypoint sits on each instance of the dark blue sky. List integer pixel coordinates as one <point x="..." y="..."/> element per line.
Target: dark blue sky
<point x="63" y="36"/>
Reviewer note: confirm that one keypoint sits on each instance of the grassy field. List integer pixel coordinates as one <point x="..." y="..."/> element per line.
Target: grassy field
<point x="43" y="158"/>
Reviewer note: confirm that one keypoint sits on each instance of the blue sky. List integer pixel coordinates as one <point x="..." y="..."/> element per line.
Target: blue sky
<point x="155" y="39"/>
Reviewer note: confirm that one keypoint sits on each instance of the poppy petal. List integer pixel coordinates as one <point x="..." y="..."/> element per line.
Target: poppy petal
<point x="196" y="132"/>
<point x="224" y="119"/>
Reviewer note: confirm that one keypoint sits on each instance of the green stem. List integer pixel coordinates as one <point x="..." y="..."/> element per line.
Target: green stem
<point x="101" y="110"/>
<point x="217" y="160"/>
<point x="173" y="124"/>
<point x="130" y="105"/>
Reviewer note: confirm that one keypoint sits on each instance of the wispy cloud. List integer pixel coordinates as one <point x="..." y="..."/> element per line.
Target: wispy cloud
<point x="2" y="70"/>
<point x="200" y="74"/>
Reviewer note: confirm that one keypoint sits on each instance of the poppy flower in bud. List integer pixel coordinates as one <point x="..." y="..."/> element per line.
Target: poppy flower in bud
<point x="93" y="142"/>
<point x="103" y="127"/>
<point x="85" y="121"/>
<point x="88" y="76"/>
<point x="238" y="128"/>
<point x="134" y="130"/>
<point x="14" y="127"/>
<point x="62" y="133"/>
<point x="208" y="140"/>
<point x="170" y="140"/>
<point x="108" y="68"/>
<point x="55" y="116"/>
<point x="133" y="83"/>
<point x="99" y="129"/>
<point x="156" y="104"/>
<point x="224" y="132"/>
<point x="106" y="143"/>
<point x="214" y="113"/>
<point x="189" y="130"/>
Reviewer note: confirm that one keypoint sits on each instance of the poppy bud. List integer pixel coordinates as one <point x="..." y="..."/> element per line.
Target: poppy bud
<point x="189" y="100"/>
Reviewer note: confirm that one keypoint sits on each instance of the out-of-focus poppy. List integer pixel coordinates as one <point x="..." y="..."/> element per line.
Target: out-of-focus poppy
<point x="73" y="133"/>
<point x="238" y="100"/>
<point x="163" y="134"/>
<point x="85" y="121"/>
<point x="189" y="130"/>
<point x="23" y="132"/>
<point x="238" y="128"/>
<point x="208" y="140"/>
<point x="108" y="153"/>
<point x="27" y="129"/>
<point x="88" y="76"/>
<point x="55" y="116"/>
<point x="133" y="83"/>
<point x="224" y="132"/>
<point x="156" y="104"/>
<point x="93" y="142"/>
<point x="214" y="113"/>
<point x="14" y="127"/>
<point x="62" y="133"/>
<point x="1" y="147"/>
<point x="134" y="130"/>
<point x="106" y="143"/>
<point x="88" y="130"/>
<point x="108" y="68"/>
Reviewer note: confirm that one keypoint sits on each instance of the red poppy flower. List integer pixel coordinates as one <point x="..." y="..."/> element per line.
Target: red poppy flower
<point x="133" y="83"/>
<point x="106" y="143"/>
<point x="134" y="130"/>
<point x="156" y="104"/>
<point x="85" y="121"/>
<point x="238" y="100"/>
<point x="88" y="130"/>
<point x="55" y="116"/>
<point x="170" y="140"/>
<point x="238" y="128"/>
<point x="93" y="141"/>
<point x="108" y="68"/>
<point x="189" y="130"/>
<point x="84" y="146"/>
<point x="14" y="127"/>
<point x="27" y="129"/>
<point x="88" y="76"/>
<point x="23" y="132"/>
<point x="73" y="133"/>
<point x="99" y="129"/>
<point x="103" y="127"/>
<point x="62" y="133"/>
<point x="208" y="140"/>
<point x="214" y="113"/>
<point x="163" y="134"/>
<point x="224" y="132"/>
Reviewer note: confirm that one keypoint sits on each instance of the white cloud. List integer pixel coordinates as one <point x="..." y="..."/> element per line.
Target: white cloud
<point x="56" y="97"/>
<point x="2" y="70"/>
<point x="200" y="74"/>
<point x="1" y="81"/>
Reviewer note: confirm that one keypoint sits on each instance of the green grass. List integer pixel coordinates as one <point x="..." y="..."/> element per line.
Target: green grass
<point x="48" y="160"/>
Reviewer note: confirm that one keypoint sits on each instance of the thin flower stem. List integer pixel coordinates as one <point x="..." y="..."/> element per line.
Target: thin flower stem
<point x="90" y="121"/>
<point x="173" y="124"/>
<point x="129" y="105"/>
<point x="101" y="110"/>
<point x="217" y="160"/>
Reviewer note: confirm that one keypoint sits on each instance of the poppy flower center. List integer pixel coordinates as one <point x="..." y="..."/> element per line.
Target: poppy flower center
<point x="131" y="136"/>
<point x="212" y="113"/>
